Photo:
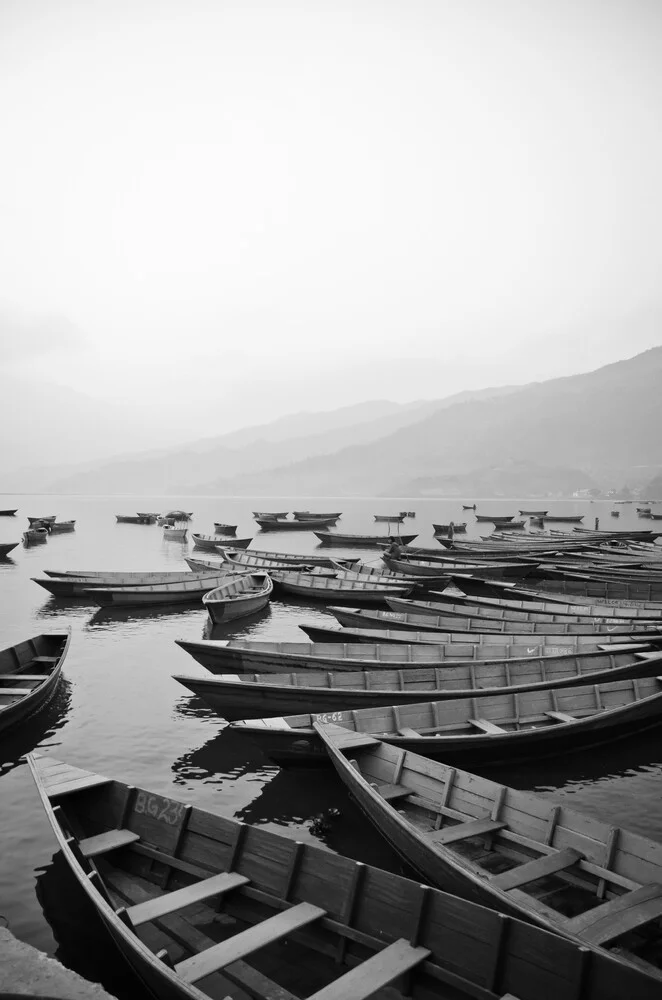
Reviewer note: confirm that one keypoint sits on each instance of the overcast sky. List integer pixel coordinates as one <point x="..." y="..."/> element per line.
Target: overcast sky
<point x="312" y="203"/>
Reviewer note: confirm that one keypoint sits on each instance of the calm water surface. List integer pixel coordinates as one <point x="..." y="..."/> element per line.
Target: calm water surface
<point x="119" y="712"/>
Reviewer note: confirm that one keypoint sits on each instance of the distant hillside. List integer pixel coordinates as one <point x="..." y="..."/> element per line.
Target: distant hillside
<point x="512" y="479"/>
<point x="252" y="450"/>
<point x="604" y="423"/>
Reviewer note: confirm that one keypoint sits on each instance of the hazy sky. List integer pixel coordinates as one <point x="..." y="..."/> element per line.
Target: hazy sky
<point x="280" y="201"/>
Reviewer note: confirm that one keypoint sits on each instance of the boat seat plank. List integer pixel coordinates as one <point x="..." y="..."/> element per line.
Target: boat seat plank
<point x="197" y="892"/>
<point x="487" y="727"/>
<point x="15" y="691"/>
<point x="410" y="733"/>
<point x="377" y="972"/>
<point x="45" y="659"/>
<point x="473" y="828"/>
<point x="391" y="792"/>
<point x="561" y="716"/>
<point x="102" y="843"/>
<point x="24" y="677"/>
<point x="66" y="786"/>
<point x="243" y="944"/>
<point x="538" y="868"/>
<point x="624" y="913"/>
<point x="353" y="741"/>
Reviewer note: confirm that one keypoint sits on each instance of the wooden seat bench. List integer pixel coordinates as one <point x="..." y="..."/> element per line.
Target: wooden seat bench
<point x="243" y="944"/>
<point x="409" y="733"/>
<point x="624" y="913"/>
<point x="109" y="840"/>
<point x="537" y="868"/>
<point x="486" y="726"/>
<point x="473" y="828"/>
<point x="24" y="677"/>
<point x="391" y="792"/>
<point x="561" y="716"/>
<point x="15" y="691"/>
<point x="197" y="892"/>
<point x="45" y="659"/>
<point x="375" y="973"/>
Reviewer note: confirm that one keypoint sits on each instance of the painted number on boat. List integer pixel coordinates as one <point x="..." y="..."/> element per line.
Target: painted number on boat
<point x="160" y="808"/>
<point x="332" y="717"/>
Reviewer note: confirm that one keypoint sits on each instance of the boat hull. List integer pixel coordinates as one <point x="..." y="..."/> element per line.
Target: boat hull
<point x="362" y="541"/>
<point x="18" y="711"/>
<point x="6" y="548"/>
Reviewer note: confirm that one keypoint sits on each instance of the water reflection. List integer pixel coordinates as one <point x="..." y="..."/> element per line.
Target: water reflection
<point x="110" y="618"/>
<point x="227" y="755"/>
<point x="34" y="731"/>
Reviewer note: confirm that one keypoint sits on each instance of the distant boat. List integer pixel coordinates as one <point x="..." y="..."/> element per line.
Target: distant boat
<point x="282" y="524"/>
<point x="6" y="547"/>
<point x="184" y="592"/>
<point x="391" y="518"/>
<point x="29" y="674"/>
<point x="148" y="514"/>
<point x="8" y="513"/>
<point x="270" y="516"/>
<point x="174" y="534"/>
<point x="225" y="529"/>
<point x="325" y="588"/>
<point x="180" y="515"/>
<point x="615" y="513"/>
<point x="71" y="586"/>
<point x="443" y="529"/>
<point x="336" y="538"/>
<point x="34" y="535"/>
<point x="468" y="506"/>
<point x="211" y="542"/>
<point x="136" y="518"/>
<point x="570" y="518"/>
<point x="238" y="596"/>
<point x="497" y="519"/>
<point x="307" y="515"/>
<point x="534" y="513"/>
<point x="59" y="527"/>
<point x="42" y="520"/>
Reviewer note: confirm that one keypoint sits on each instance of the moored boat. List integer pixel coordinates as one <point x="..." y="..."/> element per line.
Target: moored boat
<point x="29" y="675"/>
<point x="285" y="524"/>
<point x="308" y="515"/>
<point x="245" y="696"/>
<point x="42" y="520"/>
<point x="186" y="591"/>
<point x="8" y="513"/>
<point x="60" y="527"/>
<point x="444" y="529"/>
<point x="71" y="586"/>
<point x="238" y="596"/>
<point x="270" y="516"/>
<point x="365" y="928"/>
<point x="283" y="558"/>
<point x="33" y="536"/>
<point x="6" y="548"/>
<point x="212" y="542"/>
<point x="361" y="541"/>
<point x="136" y="518"/>
<point x="174" y="534"/>
<point x="390" y="518"/>
<point x="225" y="529"/>
<point x="495" y="570"/>
<point x="570" y="518"/>
<point x="331" y="588"/>
<point x="496" y="519"/>
<point x="520" y="853"/>
<point x="534" y="513"/>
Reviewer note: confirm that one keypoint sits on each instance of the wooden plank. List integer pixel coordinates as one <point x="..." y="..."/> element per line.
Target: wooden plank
<point x="372" y="975"/>
<point x="390" y="792"/>
<point x="474" y="828"/>
<point x="45" y="659"/>
<point x="110" y="840"/>
<point x="353" y="741"/>
<point x="75" y="785"/>
<point x="240" y="945"/>
<point x="410" y="733"/>
<point x="622" y="914"/>
<point x="486" y="726"/>
<point x="15" y="691"/>
<point x="561" y="716"/>
<point x="536" y="869"/>
<point x="24" y="677"/>
<point x="167" y="859"/>
<point x="197" y="892"/>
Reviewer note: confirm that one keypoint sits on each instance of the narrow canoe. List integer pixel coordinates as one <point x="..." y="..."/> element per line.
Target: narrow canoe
<point x="589" y="591"/>
<point x="490" y="613"/>
<point x="443" y="529"/>
<point x="8" y="513"/>
<point x="247" y="566"/>
<point x="364" y="928"/>
<point x="35" y="535"/>
<point x="497" y="519"/>
<point x="468" y="506"/>
<point x="60" y="527"/>
<point x="489" y="570"/>
<point x="183" y="592"/>
<point x="308" y="515"/>
<point x="282" y="558"/>
<point x="582" y="878"/>
<point x="211" y="542"/>
<point x="6" y="548"/>
<point x="284" y="524"/>
<point x="152" y="513"/>
<point x="225" y="529"/>
<point x="447" y="623"/>
<point x="238" y="596"/>
<point x="534" y="513"/>
<point x="42" y="520"/>
<point x="174" y="534"/>
<point x="570" y="518"/>
<point x="223" y="656"/>
<point x="72" y="587"/>
<point x="325" y="588"/>
<point x="135" y="518"/>
<point x="508" y="726"/>
<point x="361" y="541"/>
<point x="244" y="696"/>
<point x="391" y="518"/>
<point x="29" y="675"/>
<point x="270" y="516"/>
<point x="550" y="607"/>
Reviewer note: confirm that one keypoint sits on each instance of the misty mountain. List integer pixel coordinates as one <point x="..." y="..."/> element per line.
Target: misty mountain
<point x="252" y="450"/>
<point x="605" y="424"/>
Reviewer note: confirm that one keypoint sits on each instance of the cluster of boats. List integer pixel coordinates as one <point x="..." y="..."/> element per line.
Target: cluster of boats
<point x="478" y="651"/>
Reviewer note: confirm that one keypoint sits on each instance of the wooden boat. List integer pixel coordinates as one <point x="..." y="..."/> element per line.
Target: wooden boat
<point x="8" y="513"/>
<point x="367" y="617"/>
<point x="656" y="517"/>
<point x="249" y="566"/>
<point x="186" y="591"/>
<point x="270" y="516"/>
<point x="519" y="600"/>
<point x="289" y="558"/>
<point x="495" y="570"/>
<point x="497" y="519"/>
<point x="361" y="541"/>
<point x="513" y="526"/>
<point x="390" y="518"/>
<point x="643" y="510"/>
<point x="497" y="728"/>
<point x="494" y="612"/>
<point x="285" y="524"/>
<point x="60" y="527"/>
<point x="6" y="548"/>
<point x="352" y="929"/>
<point x="211" y="542"/>
<point x="174" y="534"/>
<point x="443" y="529"/>
<point x="238" y="596"/>
<point x="520" y="853"/>
<point x="342" y="651"/>
<point x="569" y="518"/>
<point x="70" y="586"/>
<point x="135" y="518"/>
<point x="307" y="515"/>
<point x="42" y="520"/>
<point x="225" y="529"/>
<point x="589" y="591"/>
<point x="152" y="513"/>
<point x="244" y="696"/>
<point x="534" y="513"/>
<point x="615" y="513"/>
<point x="35" y="535"/>
<point x="325" y="588"/>
<point x="29" y="675"/>
<point x="180" y="515"/>
<point x="468" y="506"/>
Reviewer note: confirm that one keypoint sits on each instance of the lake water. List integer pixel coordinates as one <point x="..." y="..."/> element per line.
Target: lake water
<point x="120" y="713"/>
